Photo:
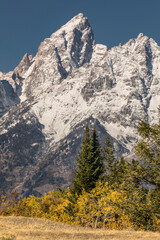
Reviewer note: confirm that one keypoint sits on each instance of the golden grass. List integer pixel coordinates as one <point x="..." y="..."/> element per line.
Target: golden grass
<point x="37" y="229"/>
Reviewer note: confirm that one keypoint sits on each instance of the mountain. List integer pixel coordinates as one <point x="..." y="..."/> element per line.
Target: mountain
<point x="48" y="99"/>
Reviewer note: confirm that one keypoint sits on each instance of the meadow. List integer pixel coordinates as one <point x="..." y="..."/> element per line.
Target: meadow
<point x="21" y="228"/>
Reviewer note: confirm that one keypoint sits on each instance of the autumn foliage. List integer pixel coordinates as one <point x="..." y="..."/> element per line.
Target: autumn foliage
<point x="106" y="192"/>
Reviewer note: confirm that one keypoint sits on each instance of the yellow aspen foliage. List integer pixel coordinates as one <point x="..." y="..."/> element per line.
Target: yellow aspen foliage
<point x="28" y="207"/>
<point x="102" y="207"/>
<point x="54" y="204"/>
<point x="4" y="204"/>
<point x="59" y="212"/>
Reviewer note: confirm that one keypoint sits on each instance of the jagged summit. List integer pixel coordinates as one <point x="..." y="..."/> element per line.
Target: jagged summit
<point x="67" y="49"/>
<point x="79" y="22"/>
<point x="24" y="64"/>
<point x="48" y="99"/>
<point x="140" y="41"/>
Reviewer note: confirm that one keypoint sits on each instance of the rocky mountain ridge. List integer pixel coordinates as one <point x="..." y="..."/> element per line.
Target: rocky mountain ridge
<point x="48" y="99"/>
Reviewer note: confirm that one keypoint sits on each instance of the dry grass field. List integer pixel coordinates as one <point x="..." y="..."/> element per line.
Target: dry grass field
<point x="18" y="228"/>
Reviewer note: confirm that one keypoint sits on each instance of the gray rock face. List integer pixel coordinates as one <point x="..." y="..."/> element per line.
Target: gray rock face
<point x="72" y="81"/>
<point x="8" y="97"/>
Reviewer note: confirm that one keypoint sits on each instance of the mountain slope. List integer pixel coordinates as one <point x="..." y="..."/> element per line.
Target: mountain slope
<point x="73" y="81"/>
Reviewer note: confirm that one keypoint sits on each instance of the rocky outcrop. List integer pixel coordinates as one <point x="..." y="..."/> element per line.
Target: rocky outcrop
<point x="8" y="98"/>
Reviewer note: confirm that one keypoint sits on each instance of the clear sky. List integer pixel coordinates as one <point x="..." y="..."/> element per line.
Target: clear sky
<point x="25" y="23"/>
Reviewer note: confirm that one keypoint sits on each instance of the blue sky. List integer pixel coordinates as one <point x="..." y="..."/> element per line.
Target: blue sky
<point x="25" y="23"/>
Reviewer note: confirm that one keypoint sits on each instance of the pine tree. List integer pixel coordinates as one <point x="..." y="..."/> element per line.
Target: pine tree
<point x="148" y="150"/>
<point x="110" y="162"/>
<point x="121" y="173"/>
<point x="89" y="163"/>
<point x="109" y="153"/>
<point x="133" y="169"/>
<point x="97" y="165"/>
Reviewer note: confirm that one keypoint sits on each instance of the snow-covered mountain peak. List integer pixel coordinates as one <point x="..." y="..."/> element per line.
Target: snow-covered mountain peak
<point x="79" y="22"/>
<point x="140" y="35"/>
<point x="70" y="82"/>
<point x="67" y="49"/>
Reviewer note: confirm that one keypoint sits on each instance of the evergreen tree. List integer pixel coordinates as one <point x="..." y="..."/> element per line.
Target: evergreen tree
<point x="89" y="163"/>
<point x="148" y="171"/>
<point x="97" y="164"/>
<point x="148" y="150"/>
<point x="108" y="152"/>
<point x="120" y="174"/>
<point x="110" y="162"/>
<point x="133" y="170"/>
